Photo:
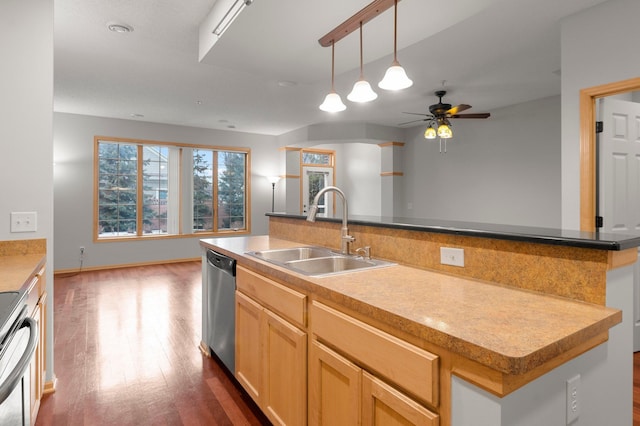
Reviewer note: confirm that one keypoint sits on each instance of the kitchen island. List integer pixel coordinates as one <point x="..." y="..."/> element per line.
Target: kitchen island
<point x="498" y="349"/>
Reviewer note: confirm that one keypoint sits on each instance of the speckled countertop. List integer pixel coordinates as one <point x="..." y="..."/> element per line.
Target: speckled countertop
<point x="16" y="270"/>
<point x="510" y="330"/>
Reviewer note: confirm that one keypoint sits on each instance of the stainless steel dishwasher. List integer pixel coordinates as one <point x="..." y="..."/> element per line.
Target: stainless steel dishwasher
<point x="221" y="277"/>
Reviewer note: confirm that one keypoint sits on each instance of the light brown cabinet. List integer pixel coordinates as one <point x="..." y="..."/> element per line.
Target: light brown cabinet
<point x="36" y="305"/>
<point x="352" y="372"/>
<point x="249" y="345"/>
<point x="271" y="350"/>
<point x="350" y="385"/>
<point x="335" y="388"/>
<point x="385" y="405"/>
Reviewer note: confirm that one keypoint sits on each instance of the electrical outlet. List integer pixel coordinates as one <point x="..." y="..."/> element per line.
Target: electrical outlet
<point x="24" y="222"/>
<point x="573" y="399"/>
<point x="81" y="253"/>
<point x="452" y="256"/>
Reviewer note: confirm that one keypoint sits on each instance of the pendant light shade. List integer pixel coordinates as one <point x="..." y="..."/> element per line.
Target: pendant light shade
<point x="444" y="131"/>
<point x="430" y="133"/>
<point x="332" y="102"/>
<point x="395" y="78"/>
<point x="362" y="91"/>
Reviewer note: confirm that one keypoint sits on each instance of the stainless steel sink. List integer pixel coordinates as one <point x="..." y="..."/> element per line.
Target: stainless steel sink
<point x="289" y="254"/>
<point x="329" y="265"/>
<point x="317" y="261"/>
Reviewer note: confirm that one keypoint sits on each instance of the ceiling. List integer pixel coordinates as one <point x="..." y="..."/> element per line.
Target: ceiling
<point x="268" y="74"/>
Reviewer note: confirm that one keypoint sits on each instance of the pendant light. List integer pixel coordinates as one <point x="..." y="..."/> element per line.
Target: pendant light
<point x="430" y="133"/>
<point x="444" y="131"/>
<point x="395" y="78"/>
<point x="332" y="102"/>
<point x="362" y="91"/>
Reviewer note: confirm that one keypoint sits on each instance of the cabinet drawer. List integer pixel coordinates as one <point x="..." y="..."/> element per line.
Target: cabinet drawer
<point x="399" y="362"/>
<point x="288" y="303"/>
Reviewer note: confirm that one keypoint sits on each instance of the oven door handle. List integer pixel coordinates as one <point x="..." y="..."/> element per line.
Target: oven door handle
<point x="14" y="378"/>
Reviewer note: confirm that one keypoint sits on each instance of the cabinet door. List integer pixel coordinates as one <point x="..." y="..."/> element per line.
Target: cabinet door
<point x="384" y="405"/>
<point x="334" y="388"/>
<point x="248" y="346"/>
<point x="284" y="371"/>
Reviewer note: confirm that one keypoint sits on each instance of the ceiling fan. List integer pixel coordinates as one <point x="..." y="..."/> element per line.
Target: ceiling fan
<point x="440" y="114"/>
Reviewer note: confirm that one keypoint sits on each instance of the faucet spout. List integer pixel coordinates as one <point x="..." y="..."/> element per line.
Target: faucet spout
<point x="345" y="238"/>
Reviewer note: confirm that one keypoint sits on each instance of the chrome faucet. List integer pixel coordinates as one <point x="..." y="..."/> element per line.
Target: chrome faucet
<point x="345" y="238"/>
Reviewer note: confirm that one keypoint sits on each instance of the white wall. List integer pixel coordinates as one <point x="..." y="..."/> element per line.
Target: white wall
<point x="599" y="46"/>
<point x="26" y="101"/>
<point x="73" y="187"/>
<point x="505" y="169"/>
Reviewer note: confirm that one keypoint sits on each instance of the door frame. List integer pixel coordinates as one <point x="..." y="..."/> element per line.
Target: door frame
<point x="588" y="156"/>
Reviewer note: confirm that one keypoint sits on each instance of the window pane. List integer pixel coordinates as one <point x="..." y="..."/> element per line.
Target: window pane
<point x="231" y="187"/>
<point x="117" y="191"/>
<point x="202" y="190"/>
<point x="316" y="158"/>
<point x="155" y="174"/>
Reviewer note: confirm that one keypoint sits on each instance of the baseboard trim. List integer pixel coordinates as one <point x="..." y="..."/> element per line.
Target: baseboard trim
<point x="73" y="271"/>
<point x="204" y="349"/>
<point x="50" y="387"/>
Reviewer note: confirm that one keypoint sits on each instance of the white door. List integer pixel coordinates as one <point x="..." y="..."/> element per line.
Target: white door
<point x="619" y="180"/>
<point x="313" y="180"/>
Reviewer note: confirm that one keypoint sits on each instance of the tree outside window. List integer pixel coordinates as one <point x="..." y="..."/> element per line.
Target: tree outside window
<point x="140" y="190"/>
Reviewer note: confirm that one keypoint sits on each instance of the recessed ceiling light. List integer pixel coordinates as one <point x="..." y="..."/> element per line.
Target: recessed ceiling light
<point x="287" y="83"/>
<point x="120" y="28"/>
<point x="137" y="115"/>
<point x="231" y="126"/>
<point x="223" y="121"/>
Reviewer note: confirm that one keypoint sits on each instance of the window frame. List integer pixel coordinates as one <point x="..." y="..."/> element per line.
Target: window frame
<point x="185" y="195"/>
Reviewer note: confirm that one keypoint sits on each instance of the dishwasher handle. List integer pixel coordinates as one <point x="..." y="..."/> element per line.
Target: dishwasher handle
<point x="220" y="261"/>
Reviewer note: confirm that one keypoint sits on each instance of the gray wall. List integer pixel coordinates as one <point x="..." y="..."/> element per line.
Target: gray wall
<point x="599" y="46"/>
<point x="505" y="169"/>
<point x="26" y="85"/>
<point x="73" y="187"/>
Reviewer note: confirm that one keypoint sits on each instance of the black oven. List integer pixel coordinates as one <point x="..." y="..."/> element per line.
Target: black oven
<point x="18" y="340"/>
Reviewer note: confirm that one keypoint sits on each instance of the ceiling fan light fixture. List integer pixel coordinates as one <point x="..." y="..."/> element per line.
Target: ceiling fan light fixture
<point x="430" y="133"/>
<point x="333" y="103"/>
<point x="444" y="131"/>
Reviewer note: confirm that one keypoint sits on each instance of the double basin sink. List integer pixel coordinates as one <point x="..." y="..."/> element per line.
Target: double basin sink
<point x="317" y="261"/>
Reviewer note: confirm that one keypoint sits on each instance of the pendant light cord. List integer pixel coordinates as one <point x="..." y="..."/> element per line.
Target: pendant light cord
<point x="395" y="31"/>
<point x="333" y="49"/>
<point x="361" y="72"/>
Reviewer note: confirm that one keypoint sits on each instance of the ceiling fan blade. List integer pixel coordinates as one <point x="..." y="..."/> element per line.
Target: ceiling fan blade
<point x="414" y="121"/>
<point x="478" y="115"/>
<point x="458" y="108"/>
<point x="417" y="113"/>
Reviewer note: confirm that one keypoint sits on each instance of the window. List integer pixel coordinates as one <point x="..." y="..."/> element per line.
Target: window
<point x="147" y="189"/>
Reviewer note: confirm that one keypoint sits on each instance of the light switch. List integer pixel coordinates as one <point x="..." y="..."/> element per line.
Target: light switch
<point x="24" y="222"/>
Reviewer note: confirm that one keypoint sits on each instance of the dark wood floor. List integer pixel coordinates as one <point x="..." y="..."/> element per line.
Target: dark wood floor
<point x="126" y="353"/>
